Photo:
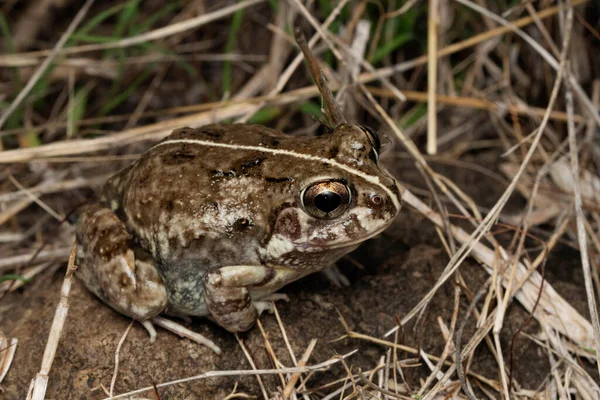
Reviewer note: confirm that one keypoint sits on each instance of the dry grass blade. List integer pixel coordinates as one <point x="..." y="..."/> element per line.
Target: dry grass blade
<point x="44" y="66"/>
<point x="289" y="70"/>
<point x="8" y="347"/>
<point x="155" y="131"/>
<point x="57" y="254"/>
<point x="212" y="374"/>
<point x="251" y="362"/>
<point x="432" y="35"/>
<point x="117" y="353"/>
<point x="40" y="382"/>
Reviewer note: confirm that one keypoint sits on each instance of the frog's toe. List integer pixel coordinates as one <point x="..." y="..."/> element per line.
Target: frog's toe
<point x="150" y="328"/>
<point x="262" y="306"/>
<point x="336" y="277"/>
<point x="182" y="331"/>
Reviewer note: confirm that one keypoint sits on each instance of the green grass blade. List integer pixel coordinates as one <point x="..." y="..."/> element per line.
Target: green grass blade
<point x="124" y="22"/>
<point x="100" y="18"/>
<point x="121" y="97"/>
<point x="236" y="22"/>
<point x="149" y="22"/>
<point x="265" y="115"/>
<point x="10" y="47"/>
<point x="93" y="38"/>
<point x="413" y="116"/>
<point x="311" y="108"/>
<point x="390" y="46"/>
<point x="13" y="277"/>
<point x="78" y="108"/>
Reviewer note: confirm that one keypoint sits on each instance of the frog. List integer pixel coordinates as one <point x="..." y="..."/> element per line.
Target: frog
<point x="213" y="220"/>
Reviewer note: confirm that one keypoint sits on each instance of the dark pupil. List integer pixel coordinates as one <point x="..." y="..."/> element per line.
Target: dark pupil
<point x="327" y="201"/>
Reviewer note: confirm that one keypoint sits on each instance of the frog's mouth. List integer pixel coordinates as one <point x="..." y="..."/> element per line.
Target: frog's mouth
<point x="342" y="244"/>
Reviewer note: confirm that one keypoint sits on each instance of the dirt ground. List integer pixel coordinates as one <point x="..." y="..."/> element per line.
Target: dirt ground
<point x="388" y="274"/>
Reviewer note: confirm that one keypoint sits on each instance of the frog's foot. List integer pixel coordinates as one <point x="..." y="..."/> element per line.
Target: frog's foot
<point x="116" y="270"/>
<point x="179" y="330"/>
<point x="335" y="276"/>
<point x="227" y="296"/>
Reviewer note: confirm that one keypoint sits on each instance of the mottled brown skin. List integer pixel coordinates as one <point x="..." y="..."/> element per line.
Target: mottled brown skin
<point x="217" y="214"/>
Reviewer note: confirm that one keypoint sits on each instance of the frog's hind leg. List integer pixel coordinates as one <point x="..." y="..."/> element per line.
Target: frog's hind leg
<point x="116" y="270"/>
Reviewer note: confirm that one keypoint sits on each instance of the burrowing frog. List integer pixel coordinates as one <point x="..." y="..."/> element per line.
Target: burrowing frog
<point x="211" y="220"/>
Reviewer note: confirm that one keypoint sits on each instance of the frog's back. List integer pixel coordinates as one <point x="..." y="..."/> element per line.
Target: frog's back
<point x="190" y="203"/>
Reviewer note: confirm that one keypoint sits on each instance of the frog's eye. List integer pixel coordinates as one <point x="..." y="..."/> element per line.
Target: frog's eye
<point x="374" y="139"/>
<point x="327" y="199"/>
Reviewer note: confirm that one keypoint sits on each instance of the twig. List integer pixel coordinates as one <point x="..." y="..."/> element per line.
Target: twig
<point x="447" y="346"/>
<point x="40" y="381"/>
<point x="44" y="66"/>
<point x="7" y="263"/>
<point x="34" y="198"/>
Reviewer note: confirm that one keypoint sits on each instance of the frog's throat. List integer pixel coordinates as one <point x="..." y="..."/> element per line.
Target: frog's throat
<point x="369" y="178"/>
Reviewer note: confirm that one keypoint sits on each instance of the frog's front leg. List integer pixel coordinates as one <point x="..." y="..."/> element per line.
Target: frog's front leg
<point x="116" y="270"/>
<point x="227" y="293"/>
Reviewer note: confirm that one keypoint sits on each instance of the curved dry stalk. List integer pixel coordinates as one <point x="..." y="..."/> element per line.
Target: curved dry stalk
<point x="117" y="353"/>
<point x="458" y="340"/>
<point x="329" y="38"/>
<point x="335" y="115"/>
<point x="289" y="70"/>
<point x="8" y="347"/>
